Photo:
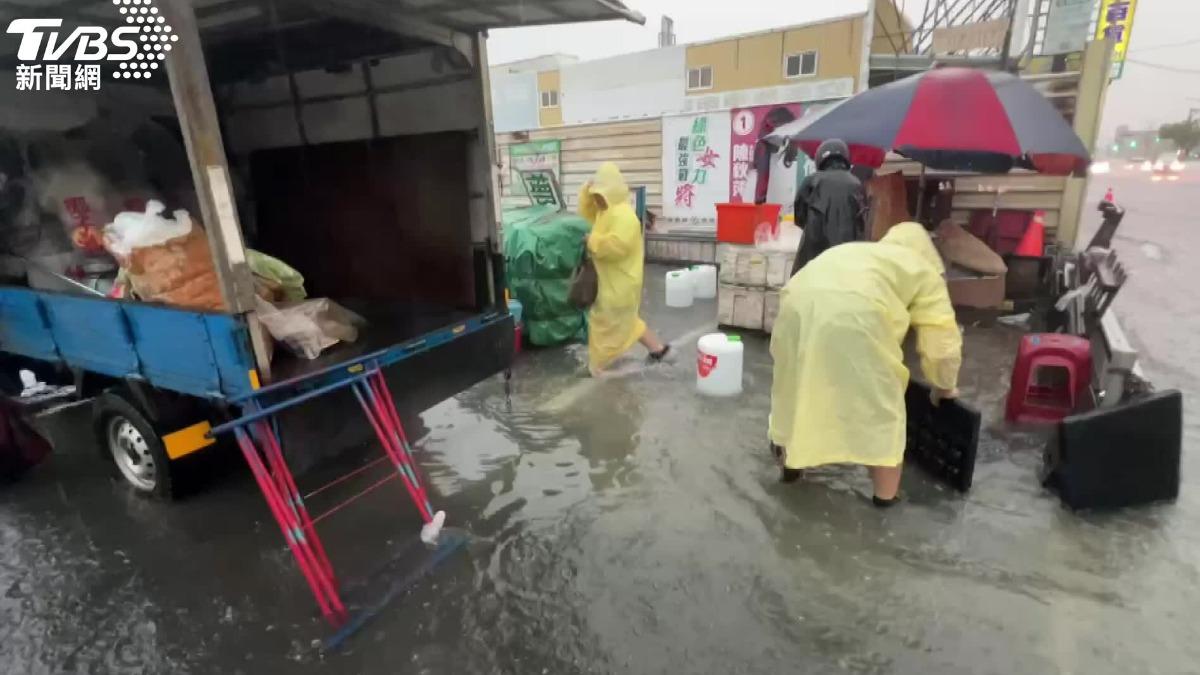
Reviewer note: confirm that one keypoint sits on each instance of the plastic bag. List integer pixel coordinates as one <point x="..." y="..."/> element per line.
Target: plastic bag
<point x="166" y="259"/>
<point x="81" y="198"/>
<point x="275" y="280"/>
<point x="310" y="327"/>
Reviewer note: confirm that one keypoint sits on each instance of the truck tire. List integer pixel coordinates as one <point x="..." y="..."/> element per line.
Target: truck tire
<point x="134" y="446"/>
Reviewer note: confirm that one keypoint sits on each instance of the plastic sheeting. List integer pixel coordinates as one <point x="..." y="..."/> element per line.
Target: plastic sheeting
<point x="542" y="247"/>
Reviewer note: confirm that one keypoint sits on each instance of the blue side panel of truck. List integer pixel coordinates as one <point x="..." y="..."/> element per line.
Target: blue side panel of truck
<point x="23" y="327"/>
<point x="198" y="353"/>
<point x="91" y="335"/>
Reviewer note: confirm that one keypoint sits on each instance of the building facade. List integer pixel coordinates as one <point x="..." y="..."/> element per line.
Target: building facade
<point x="680" y="120"/>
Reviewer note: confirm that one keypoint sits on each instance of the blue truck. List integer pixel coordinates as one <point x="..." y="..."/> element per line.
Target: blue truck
<point x="353" y="141"/>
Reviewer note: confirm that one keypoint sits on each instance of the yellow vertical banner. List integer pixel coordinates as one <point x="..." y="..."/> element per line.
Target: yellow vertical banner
<point x="1116" y="23"/>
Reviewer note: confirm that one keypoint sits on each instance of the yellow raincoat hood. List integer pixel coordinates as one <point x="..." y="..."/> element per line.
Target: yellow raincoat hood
<point x="914" y="237"/>
<point x="610" y="184"/>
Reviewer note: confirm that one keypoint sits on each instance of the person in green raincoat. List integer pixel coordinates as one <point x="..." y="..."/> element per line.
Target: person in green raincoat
<point x="617" y="249"/>
<point x="838" y="392"/>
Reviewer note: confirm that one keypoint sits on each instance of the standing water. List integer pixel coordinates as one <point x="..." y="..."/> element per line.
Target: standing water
<point x="632" y="525"/>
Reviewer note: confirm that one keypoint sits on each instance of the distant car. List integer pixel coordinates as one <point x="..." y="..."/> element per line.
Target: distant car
<point x="1101" y="166"/>
<point x="1134" y="163"/>
<point x="1162" y="170"/>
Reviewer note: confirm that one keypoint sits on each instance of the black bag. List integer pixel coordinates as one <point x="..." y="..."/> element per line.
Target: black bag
<point x="584" y="283"/>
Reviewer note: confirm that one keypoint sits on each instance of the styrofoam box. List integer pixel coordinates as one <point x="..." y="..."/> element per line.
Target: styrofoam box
<point x="770" y="310"/>
<point x="727" y="257"/>
<point x="779" y="268"/>
<point x="740" y="306"/>
<point x="743" y="265"/>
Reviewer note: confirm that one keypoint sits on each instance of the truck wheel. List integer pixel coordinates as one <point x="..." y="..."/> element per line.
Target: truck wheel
<point x="136" y="450"/>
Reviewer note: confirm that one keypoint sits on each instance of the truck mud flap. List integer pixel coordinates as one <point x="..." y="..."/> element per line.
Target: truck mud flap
<point x="1122" y="456"/>
<point x="942" y="439"/>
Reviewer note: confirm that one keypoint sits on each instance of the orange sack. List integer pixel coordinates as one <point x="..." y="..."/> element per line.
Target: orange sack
<point x="165" y="259"/>
<point x="178" y="272"/>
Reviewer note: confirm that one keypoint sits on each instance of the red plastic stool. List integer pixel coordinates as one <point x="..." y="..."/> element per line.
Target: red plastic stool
<point x="1050" y="376"/>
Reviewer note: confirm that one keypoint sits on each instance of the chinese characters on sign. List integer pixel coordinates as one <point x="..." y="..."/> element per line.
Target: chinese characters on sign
<point x="533" y="156"/>
<point x="695" y="164"/>
<point x="694" y="157"/>
<point x="747" y="125"/>
<point x="58" y="77"/>
<point x="542" y="188"/>
<point x="1115" y="24"/>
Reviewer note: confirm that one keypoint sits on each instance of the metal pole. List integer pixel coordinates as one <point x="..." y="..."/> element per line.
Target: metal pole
<point x="920" y="195"/>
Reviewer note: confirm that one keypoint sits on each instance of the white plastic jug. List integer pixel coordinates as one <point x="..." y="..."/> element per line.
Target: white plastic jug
<point x="719" y="364"/>
<point x="704" y="278"/>
<point x="680" y="291"/>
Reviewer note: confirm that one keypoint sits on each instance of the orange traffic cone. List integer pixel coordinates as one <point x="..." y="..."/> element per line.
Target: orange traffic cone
<point x="1034" y="240"/>
<point x="1108" y="196"/>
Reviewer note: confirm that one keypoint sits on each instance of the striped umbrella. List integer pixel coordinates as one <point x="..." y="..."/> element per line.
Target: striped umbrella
<point x="957" y="119"/>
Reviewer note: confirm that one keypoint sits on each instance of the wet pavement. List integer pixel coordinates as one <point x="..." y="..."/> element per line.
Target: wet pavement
<point x="631" y="526"/>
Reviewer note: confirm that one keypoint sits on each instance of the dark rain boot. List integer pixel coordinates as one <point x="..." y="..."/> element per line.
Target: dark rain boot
<point x="885" y="503"/>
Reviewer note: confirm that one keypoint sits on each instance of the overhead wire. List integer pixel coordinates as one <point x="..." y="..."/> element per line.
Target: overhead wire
<point x="1163" y="66"/>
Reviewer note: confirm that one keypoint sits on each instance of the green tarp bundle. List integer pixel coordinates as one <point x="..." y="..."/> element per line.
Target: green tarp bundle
<point x="542" y="247"/>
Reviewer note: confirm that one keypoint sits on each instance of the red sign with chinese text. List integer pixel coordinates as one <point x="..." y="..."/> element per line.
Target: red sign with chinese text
<point x="747" y="128"/>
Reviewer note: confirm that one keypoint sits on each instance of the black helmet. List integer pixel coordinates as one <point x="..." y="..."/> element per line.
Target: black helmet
<point x="830" y="149"/>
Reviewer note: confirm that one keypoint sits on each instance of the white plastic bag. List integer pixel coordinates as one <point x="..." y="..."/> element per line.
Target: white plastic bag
<point x="309" y="327"/>
<point x="130" y="230"/>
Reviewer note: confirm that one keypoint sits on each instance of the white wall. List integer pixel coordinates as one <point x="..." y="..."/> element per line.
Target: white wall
<point x="629" y="86"/>
<point x="817" y="90"/>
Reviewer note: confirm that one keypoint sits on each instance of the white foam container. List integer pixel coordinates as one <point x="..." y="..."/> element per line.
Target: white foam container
<point x="680" y="289"/>
<point x="719" y="359"/>
<point x="704" y="280"/>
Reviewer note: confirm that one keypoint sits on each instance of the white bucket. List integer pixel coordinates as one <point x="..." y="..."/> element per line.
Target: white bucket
<point x="680" y="291"/>
<point x="704" y="278"/>
<point x="719" y="364"/>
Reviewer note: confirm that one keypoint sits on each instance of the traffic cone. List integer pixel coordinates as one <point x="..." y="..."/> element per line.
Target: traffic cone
<point x="1033" y="241"/>
<point x="1108" y="196"/>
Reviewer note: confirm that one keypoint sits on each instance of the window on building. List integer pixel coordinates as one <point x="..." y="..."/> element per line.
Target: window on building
<point x="803" y="64"/>
<point x="700" y="78"/>
<point x="549" y="99"/>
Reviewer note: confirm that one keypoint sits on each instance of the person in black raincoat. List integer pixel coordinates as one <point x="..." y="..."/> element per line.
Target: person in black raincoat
<point x="830" y="204"/>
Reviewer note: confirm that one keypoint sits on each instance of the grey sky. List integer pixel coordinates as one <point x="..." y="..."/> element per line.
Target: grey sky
<point x="1143" y="97"/>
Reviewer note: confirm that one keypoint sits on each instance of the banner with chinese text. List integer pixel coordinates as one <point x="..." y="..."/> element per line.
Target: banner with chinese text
<point x="533" y="156"/>
<point x="695" y="164"/>
<point x="1116" y="23"/>
<point x="747" y="126"/>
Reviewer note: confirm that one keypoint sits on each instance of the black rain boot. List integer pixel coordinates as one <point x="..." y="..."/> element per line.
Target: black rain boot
<point x="787" y="475"/>
<point x="885" y="503"/>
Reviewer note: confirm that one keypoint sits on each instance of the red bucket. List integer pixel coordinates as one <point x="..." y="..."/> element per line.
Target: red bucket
<point x="737" y="223"/>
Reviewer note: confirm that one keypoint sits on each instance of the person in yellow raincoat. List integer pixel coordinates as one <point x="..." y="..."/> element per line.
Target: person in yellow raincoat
<point x="617" y="249"/>
<point x="838" y="392"/>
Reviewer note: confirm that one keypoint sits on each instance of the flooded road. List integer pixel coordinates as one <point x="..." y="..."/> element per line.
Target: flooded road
<point x="632" y="526"/>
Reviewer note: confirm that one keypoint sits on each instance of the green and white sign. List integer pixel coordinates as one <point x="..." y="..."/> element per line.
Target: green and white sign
<point x="533" y="156"/>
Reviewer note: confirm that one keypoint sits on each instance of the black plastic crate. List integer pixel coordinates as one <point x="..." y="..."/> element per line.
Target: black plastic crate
<point x="942" y="439"/>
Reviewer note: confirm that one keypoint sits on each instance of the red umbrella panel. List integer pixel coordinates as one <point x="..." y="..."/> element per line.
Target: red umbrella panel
<point x="958" y="119"/>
